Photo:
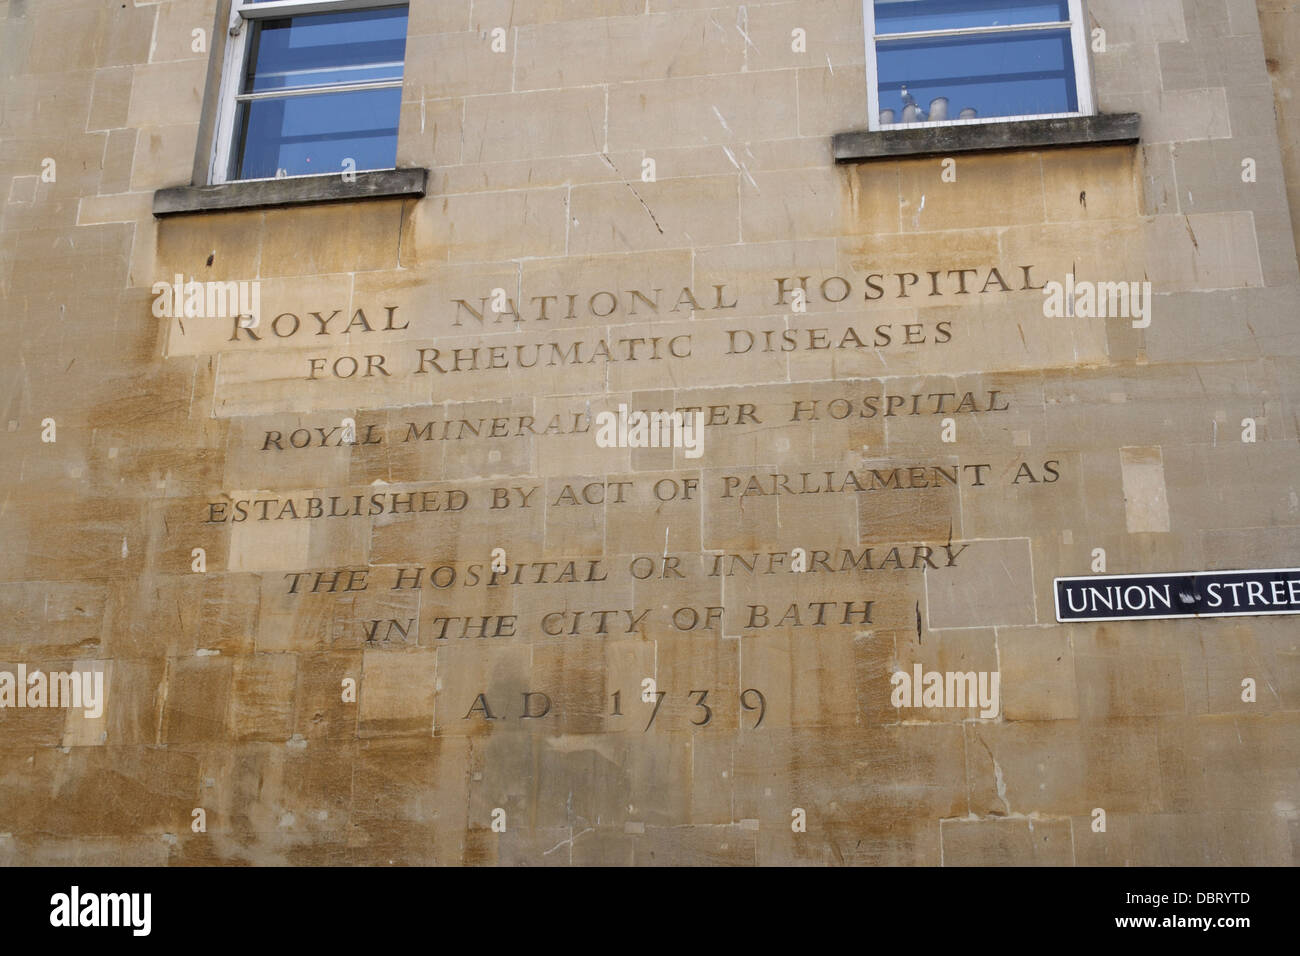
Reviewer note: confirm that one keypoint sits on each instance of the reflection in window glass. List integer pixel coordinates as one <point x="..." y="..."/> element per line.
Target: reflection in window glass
<point x="321" y="90"/>
<point x="328" y="48"/>
<point x="911" y="16"/>
<point x="1012" y="74"/>
<point x="316" y="134"/>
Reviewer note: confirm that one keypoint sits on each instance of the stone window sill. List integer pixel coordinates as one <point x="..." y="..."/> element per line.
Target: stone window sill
<point x="294" y="191"/>
<point x="1110" y="129"/>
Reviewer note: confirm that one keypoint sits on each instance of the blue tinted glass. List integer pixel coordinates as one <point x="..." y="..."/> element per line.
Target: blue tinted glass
<point x="316" y="133"/>
<point x="325" y="48"/>
<point x="1014" y="74"/>
<point x="909" y="16"/>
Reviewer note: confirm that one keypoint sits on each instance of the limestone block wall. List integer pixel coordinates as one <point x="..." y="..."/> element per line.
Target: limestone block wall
<point x="504" y="717"/>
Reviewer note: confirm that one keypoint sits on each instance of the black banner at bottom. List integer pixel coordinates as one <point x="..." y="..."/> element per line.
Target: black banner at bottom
<point x="655" y="910"/>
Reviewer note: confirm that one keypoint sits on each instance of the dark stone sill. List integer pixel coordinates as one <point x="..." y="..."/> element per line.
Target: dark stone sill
<point x="298" y="190"/>
<point x="1110" y="129"/>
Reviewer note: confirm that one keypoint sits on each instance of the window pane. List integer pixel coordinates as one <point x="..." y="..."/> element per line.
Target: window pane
<point x="316" y="133"/>
<point x="1014" y="74"/>
<point x="312" y="50"/>
<point x="908" y="16"/>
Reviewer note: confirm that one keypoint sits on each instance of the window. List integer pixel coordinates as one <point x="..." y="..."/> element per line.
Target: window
<point x="310" y="87"/>
<point x="948" y="62"/>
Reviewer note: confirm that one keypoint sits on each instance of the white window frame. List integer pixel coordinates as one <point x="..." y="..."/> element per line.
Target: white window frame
<point x="1078" y="43"/>
<point x="233" y="66"/>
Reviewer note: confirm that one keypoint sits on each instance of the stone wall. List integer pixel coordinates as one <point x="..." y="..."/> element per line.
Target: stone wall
<point x="1280" y="28"/>
<point x="826" y="443"/>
